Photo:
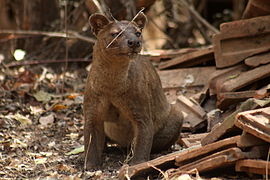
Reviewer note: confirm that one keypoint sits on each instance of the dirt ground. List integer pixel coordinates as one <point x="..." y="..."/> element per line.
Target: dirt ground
<point x="41" y="122"/>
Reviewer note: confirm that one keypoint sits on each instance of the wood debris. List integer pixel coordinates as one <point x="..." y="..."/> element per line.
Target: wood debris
<point x="241" y="135"/>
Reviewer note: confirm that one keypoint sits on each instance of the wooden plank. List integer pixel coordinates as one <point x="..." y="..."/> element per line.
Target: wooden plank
<point x="185" y="77"/>
<point x="238" y="40"/>
<point x="216" y="160"/>
<point x="167" y="161"/>
<point x="246" y="78"/>
<point x="189" y="59"/>
<point x="222" y="75"/>
<point x="160" y="54"/>
<point x="219" y="159"/>
<point x="210" y="148"/>
<point x="226" y="99"/>
<point x="228" y="124"/>
<point x="255" y="122"/>
<point x="194" y="115"/>
<point x="145" y="168"/>
<point x="258" y="59"/>
<point x="253" y="166"/>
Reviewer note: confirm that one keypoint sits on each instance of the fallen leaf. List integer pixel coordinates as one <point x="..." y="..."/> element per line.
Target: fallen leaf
<point x="40" y="160"/>
<point x="76" y="151"/>
<point x="73" y="136"/>
<point x="66" y="168"/>
<point x="59" y="107"/>
<point x="46" y="120"/>
<point x="18" y="143"/>
<point x="22" y="119"/>
<point x="42" y="96"/>
<point x="72" y="96"/>
<point x="35" y="110"/>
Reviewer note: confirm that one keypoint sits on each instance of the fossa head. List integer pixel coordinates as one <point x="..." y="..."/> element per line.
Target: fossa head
<point x="118" y="38"/>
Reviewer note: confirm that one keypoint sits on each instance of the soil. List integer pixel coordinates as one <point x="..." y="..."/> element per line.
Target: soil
<point x="41" y="121"/>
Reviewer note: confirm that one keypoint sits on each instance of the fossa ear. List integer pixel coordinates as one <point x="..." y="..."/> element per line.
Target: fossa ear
<point x="97" y="22"/>
<point x="140" y="20"/>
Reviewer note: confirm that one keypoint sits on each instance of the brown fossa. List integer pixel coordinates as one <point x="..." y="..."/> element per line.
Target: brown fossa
<point x="123" y="98"/>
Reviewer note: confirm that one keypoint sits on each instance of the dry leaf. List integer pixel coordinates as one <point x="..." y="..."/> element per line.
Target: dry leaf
<point x="59" y="107"/>
<point x="22" y="119"/>
<point x="42" y="96"/>
<point x="40" y="160"/>
<point x="76" y="151"/>
<point x="46" y="120"/>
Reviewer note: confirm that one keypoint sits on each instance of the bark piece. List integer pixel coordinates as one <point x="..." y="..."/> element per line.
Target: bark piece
<point x="258" y="59"/>
<point x="190" y="59"/>
<point x="253" y="166"/>
<point x="194" y="114"/>
<point x="240" y="39"/>
<point x="255" y="122"/>
<point x="228" y="124"/>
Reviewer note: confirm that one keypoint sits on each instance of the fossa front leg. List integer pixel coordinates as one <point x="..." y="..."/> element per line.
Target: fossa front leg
<point x="94" y="136"/>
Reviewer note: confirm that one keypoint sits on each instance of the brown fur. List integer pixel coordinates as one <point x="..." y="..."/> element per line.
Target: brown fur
<point x="124" y="99"/>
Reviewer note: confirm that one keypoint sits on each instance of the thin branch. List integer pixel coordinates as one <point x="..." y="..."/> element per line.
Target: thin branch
<point x="70" y="34"/>
<point x="199" y="17"/>
<point x="45" y="61"/>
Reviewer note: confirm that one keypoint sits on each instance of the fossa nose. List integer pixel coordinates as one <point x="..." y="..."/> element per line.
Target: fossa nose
<point x="134" y="44"/>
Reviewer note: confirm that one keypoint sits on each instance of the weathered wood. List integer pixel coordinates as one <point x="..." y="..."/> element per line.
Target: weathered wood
<point x="213" y="161"/>
<point x="207" y="149"/>
<point x="222" y="75"/>
<point x="228" y="124"/>
<point x="241" y="39"/>
<point x="185" y="77"/>
<point x="255" y="122"/>
<point x="246" y="78"/>
<point x="189" y="59"/>
<point x="191" y="140"/>
<point x="253" y="166"/>
<point x="248" y="140"/>
<point x="143" y="169"/>
<point x="258" y="59"/>
<point x="160" y="54"/>
<point x="194" y="114"/>
<point x="226" y="99"/>
<point x="167" y="161"/>
<point x="219" y="159"/>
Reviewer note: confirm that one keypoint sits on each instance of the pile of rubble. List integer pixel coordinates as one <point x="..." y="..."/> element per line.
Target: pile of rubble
<point x="232" y="108"/>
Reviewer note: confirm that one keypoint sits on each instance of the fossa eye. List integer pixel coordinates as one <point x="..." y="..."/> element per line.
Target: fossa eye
<point x="138" y="34"/>
<point x="114" y="34"/>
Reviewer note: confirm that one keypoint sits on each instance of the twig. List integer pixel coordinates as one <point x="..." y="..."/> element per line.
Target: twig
<point x="66" y="48"/>
<point x="48" y="61"/>
<point x="70" y="34"/>
<point x="267" y="164"/>
<point x="199" y="17"/>
<point x="124" y="28"/>
<point x="100" y="9"/>
<point x="164" y="174"/>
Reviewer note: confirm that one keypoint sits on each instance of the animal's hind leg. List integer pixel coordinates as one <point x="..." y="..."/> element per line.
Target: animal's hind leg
<point x="170" y="133"/>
